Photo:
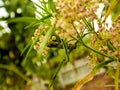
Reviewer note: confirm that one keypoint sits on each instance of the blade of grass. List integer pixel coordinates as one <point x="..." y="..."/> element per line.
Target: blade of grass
<point x="65" y="48"/>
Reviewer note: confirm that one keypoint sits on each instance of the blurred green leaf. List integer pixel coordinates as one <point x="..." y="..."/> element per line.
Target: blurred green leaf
<point x="57" y="71"/>
<point x="116" y="11"/>
<point x="1" y="27"/>
<point x="101" y="65"/>
<point x="35" y="10"/>
<point x="66" y="50"/>
<point x="44" y="43"/>
<point x="26" y="47"/>
<point x="13" y="68"/>
<point x="25" y="59"/>
<point x="113" y="5"/>
<point x="23" y="19"/>
<point x="110" y="46"/>
<point x="51" y="5"/>
<point x="42" y="8"/>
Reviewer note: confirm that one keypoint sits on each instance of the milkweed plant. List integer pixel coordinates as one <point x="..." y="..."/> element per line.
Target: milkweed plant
<point x="67" y="23"/>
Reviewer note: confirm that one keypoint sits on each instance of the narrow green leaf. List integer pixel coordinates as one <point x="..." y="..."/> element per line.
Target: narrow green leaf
<point x="51" y="5"/>
<point x="42" y="8"/>
<point x="43" y="3"/>
<point x="26" y="47"/>
<point x="88" y="24"/>
<point x="110" y="9"/>
<point x="46" y="17"/>
<point x="28" y="19"/>
<point x="25" y="60"/>
<point x="102" y="64"/>
<point x="23" y="19"/>
<point x="85" y="35"/>
<point x="57" y="71"/>
<point x="44" y="43"/>
<point x="35" y="10"/>
<point x="110" y="46"/>
<point x="66" y="51"/>
<point x="31" y="25"/>
<point x="116" y="11"/>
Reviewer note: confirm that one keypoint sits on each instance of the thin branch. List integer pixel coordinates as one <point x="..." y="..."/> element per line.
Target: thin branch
<point x="82" y="42"/>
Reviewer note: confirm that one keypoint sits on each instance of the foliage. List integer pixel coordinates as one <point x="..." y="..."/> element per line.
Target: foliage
<point x="13" y="75"/>
<point x="62" y="28"/>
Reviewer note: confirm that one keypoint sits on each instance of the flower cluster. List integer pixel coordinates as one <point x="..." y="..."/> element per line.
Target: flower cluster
<point x="71" y="12"/>
<point x="38" y="38"/>
<point x="109" y="40"/>
<point x="69" y="15"/>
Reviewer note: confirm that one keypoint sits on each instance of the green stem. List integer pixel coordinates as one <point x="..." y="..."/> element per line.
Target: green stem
<point x="97" y="51"/>
<point x="88" y="25"/>
<point x="117" y="77"/>
<point x="65" y="48"/>
<point x="57" y="71"/>
<point x="82" y="42"/>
